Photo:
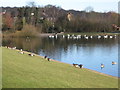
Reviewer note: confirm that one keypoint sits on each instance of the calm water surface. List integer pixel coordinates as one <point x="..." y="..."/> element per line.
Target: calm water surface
<point x="91" y="53"/>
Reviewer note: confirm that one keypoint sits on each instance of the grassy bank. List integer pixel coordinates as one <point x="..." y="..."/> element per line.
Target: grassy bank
<point x="23" y="71"/>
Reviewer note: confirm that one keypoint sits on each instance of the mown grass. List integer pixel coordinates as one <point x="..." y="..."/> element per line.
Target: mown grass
<point x="23" y="71"/>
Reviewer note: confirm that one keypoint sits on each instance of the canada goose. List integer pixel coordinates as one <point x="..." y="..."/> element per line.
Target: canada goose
<point x="113" y="63"/>
<point x="102" y="66"/>
<point x="31" y="54"/>
<point x="48" y="59"/>
<point x="75" y="65"/>
<point x="81" y="66"/>
<point x="45" y="57"/>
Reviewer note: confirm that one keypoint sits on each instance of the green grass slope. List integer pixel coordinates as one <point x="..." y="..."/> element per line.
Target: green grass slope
<point x="23" y="71"/>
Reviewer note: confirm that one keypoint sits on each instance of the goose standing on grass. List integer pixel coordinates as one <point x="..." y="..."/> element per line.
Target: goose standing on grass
<point x="80" y="66"/>
<point x="48" y="59"/>
<point x="113" y="63"/>
<point x="75" y="65"/>
<point x="45" y="57"/>
<point x="31" y="54"/>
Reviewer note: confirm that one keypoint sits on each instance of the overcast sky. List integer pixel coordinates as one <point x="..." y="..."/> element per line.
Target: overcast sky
<point x="98" y="5"/>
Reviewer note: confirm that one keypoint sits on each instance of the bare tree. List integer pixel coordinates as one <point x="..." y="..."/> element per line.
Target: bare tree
<point x="31" y="4"/>
<point x="89" y="9"/>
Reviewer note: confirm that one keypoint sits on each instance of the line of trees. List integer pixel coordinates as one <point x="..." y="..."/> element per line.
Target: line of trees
<point x="55" y="19"/>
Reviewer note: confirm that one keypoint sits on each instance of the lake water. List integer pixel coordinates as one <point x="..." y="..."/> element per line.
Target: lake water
<point x="89" y="52"/>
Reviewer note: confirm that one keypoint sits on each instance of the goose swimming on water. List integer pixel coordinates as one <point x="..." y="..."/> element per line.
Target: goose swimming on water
<point x="113" y="63"/>
<point x="102" y="66"/>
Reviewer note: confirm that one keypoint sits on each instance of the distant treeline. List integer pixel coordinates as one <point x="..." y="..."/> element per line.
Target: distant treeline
<point x="52" y="19"/>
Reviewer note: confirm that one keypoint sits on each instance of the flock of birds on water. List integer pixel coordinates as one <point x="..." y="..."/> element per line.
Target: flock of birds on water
<point x="68" y="36"/>
<point x="48" y="59"/>
<point x="81" y="65"/>
<point x="83" y="36"/>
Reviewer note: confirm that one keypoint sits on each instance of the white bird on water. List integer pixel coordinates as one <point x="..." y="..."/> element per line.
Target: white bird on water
<point x="63" y="36"/>
<point x="111" y="36"/>
<point x="99" y="37"/>
<point x="102" y="66"/>
<point x="91" y="37"/>
<point x="86" y="37"/>
<point x="106" y="36"/>
<point x="56" y="36"/>
<point x="68" y="35"/>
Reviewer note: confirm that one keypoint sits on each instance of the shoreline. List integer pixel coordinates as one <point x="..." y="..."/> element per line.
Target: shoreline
<point x="12" y="35"/>
<point x="70" y="64"/>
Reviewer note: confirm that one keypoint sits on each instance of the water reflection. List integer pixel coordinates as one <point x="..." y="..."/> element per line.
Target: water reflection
<point x="91" y="53"/>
